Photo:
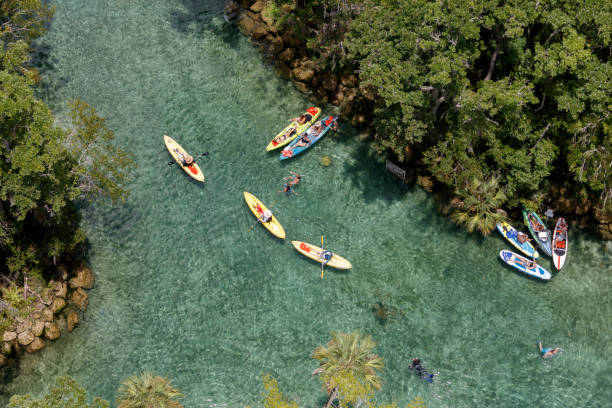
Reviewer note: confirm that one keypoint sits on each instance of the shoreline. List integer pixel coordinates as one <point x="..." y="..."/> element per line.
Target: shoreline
<point x="355" y="105"/>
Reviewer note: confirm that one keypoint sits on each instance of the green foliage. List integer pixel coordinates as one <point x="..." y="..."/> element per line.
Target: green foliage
<point x="273" y="398"/>
<point x="348" y="367"/>
<point x="418" y="402"/>
<point x="66" y="393"/>
<point x="23" y="19"/>
<point x="519" y="89"/>
<point x="148" y="391"/>
<point x="478" y="204"/>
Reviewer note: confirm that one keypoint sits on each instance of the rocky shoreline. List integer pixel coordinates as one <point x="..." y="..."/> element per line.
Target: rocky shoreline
<point x="355" y="104"/>
<point x="57" y="309"/>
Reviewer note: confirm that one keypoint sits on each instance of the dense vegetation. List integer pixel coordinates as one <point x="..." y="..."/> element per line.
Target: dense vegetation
<point x="44" y="169"/>
<point x="512" y="95"/>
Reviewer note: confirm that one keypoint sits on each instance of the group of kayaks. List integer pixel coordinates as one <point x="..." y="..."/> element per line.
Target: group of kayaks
<point x="552" y="244"/>
<point x="298" y="137"/>
<point x="295" y="138"/>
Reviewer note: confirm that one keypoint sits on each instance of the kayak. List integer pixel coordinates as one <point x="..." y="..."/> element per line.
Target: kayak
<point x="293" y="130"/>
<point x="541" y="234"/>
<point x="511" y="235"/>
<point x="559" y="243"/>
<point x="175" y="149"/>
<point x="257" y="208"/>
<point x="315" y="253"/>
<point x="521" y="263"/>
<point x="293" y="150"/>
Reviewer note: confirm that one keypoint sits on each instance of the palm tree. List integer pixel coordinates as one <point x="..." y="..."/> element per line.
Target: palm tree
<point x="348" y="355"/>
<point x="478" y="205"/>
<point x="148" y="391"/>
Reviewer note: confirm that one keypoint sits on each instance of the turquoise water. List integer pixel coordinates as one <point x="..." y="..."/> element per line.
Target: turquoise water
<point x="189" y="288"/>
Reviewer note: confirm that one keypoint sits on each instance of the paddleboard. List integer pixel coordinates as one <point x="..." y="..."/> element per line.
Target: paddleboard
<point x="521" y="263"/>
<point x="559" y="243"/>
<point x="257" y="208"/>
<point x="293" y="130"/>
<point x="314" y="252"/>
<point x="175" y="150"/>
<point x="511" y="234"/>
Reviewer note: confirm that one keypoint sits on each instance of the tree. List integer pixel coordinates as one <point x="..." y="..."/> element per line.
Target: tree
<point x="23" y="19"/>
<point x="148" y="391"/>
<point x="273" y="398"/>
<point x="66" y="393"/>
<point x="478" y="204"/>
<point x="348" y="368"/>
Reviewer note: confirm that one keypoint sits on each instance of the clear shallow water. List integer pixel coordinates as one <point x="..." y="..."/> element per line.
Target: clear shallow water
<point x="186" y="287"/>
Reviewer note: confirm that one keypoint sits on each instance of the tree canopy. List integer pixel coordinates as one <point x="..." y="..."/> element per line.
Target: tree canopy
<point x="65" y="393"/>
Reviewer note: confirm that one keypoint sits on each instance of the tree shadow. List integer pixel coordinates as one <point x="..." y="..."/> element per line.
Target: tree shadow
<point x="49" y="86"/>
<point x="367" y="174"/>
<point x="200" y="16"/>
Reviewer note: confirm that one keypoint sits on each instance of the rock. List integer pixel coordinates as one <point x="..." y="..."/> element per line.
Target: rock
<point x="268" y="21"/>
<point x="7" y="348"/>
<point x="286" y="8"/>
<point x="426" y="182"/>
<point x="2" y="360"/>
<point x="58" y="304"/>
<point x="38" y="327"/>
<point x="60" y="321"/>
<point x="9" y="336"/>
<point x="47" y="315"/>
<point x="252" y="28"/>
<point x="283" y="69"/>
<point x="290" y="39"/>
<point x="359" y="121"/>
<point x="330" y="82"/>
<point x="302" y="87"/>
<point x="72" y="319"/>
<point x="36" y="345"/>
<point x="349" y="79"/>
<point x="232" y="10"/>
<point x="302" y="74"/>
<point x="25" y="338"/>
<point x="602" y="216"/>
<point x="277" y="45"/>
<point x="321" y="96"/>
<point x="24" y="325"/>
<point x="60" y="289"/>
<point x="369" y="93"/>
<point x="253" y="16"/>
<point x="79" y="299"/>
<point x="258" y="6"/>
<point x="84" y="278"/>
<point x="604" y="231"/>
<point x="583" y="207"/>
<point x="287" y="55"/>
<point x="564" y="205"/>
<point x="52" y="332"/>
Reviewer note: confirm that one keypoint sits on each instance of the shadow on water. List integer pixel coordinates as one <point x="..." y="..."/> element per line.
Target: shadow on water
<point x="49" y="88"/>
<point x="205" y="16"/>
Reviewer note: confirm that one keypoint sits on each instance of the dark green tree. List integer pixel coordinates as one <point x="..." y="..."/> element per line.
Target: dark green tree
<point x="66" y="393"/>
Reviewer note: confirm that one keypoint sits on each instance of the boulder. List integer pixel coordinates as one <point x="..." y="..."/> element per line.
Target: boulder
<point x="321" y="96"/>
<point x="25" y="338"/>
<point x="47" y="315"/>
<point x="84" y="278"/>
<point x="79" y="299"/>
<point x="7" y="348"/>
<point x="302" y="87"/>
<point x="603" y="216"/>
<point x="52" y="332"/>
<point x="564" y="205"/>
<point x="58" y="304"/>
<point x="277" y="45"/>
<point x="369" y="93"/>
<point x="604" y="231"/>
<point x="60" y="289"/>
<point x="286" y="8"/>
<point x="252" y="28"/>
<point x="269" y="22"/>
<point x="426" y="182"/>
<point x="349" y="79"/>
<point x="24" y="325"/>
<point x="62" y="272"/>
<point x="38" y="327"/>
<point x="359" y="121"/>
<point x="302" y="74"/>
<point x="290" y="39"/>
<point x="60" y="321"/>
<point x="258" y="6"/>
<point x="283" y="69"/>
<point x="583" y="207"/>
<point x="36" y="345"/>
<point x="9" y="336"/>
<point x="287" y="55"/>
<point x="72" y="319"/>
<point x="2" y="360"/>
<point x="330" y="82"/>
<point x="231" y="10"/>
<point x="253" y="16"/>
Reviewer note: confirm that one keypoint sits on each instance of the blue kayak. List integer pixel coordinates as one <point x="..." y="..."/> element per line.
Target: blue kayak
<point x="308" y="138"/>
<point x="524" y="265"/>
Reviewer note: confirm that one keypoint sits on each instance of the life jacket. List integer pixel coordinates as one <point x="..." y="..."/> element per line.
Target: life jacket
<point x="304" y="247"/>
<point x="312" y="110"/>
<point x="329" y="120"/>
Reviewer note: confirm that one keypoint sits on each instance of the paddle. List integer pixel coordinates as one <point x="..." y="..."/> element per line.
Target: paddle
<point x="199" y="155"/>
<point x="322" y="262"/>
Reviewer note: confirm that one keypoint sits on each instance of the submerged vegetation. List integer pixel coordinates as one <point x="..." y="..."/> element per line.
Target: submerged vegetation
<point x="515" y="92"/>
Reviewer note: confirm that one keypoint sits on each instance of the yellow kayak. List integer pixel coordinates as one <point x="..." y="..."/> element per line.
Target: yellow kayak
<point x="257" y="208"/>
<point x="293" y="130"/>
<point x="314" y="253"/>
<point x="174" y="148"/>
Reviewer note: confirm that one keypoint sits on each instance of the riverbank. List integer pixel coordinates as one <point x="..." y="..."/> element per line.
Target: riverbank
<point x="293" y="60"/>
